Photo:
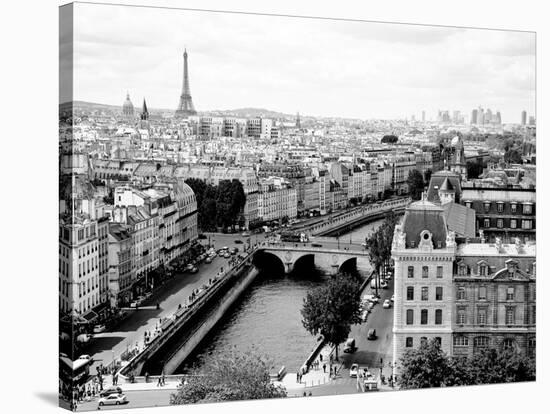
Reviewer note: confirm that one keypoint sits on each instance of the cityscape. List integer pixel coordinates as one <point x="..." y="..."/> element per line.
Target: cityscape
<point x="253" y="252"/>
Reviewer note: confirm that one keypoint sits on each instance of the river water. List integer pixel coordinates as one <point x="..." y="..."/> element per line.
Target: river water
<point x="268" y="317"/>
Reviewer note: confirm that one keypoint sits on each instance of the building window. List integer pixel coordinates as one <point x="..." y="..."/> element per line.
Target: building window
<point x="508" y="343"/>
<point x="461" y="317"/>
<point x="482" y="293"/>
<point x="500" y="207"/>
<point x="527" y="209"/>
<point x="500" y="223"/>
<point x="439" y="273"/>
<point x="438" y="316"/>
<point x="410" y="293"/>
<point x="487" y="206"/>
<point x="513" y="208"/>
<point x="486" y="223"/>
<point x="481" y="341"/>
<point x="424" y="271"/>
<point x="483" y="270"/>
<point x="460" y="340"/>
<point x="513" y="223"/>
<point x="410" y="272"/>
<point x="408" y="342"/>
<point x="526" y="224"/>
<point x="424" y="317"/>
<point x="510" y="293"/>
<point x="424" y="293"/>
<point x="439" y="293"/>
<point x="410" y="316"/>
<point x="461" y="293"/>
<point x="533" y="315"/>
<point x="482" y="316"/>
<point x="510" y="315"/>
<point x="423" y="341"/>
<point x="469" y="204"/>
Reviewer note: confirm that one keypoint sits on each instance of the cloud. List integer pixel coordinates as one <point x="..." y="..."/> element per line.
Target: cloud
<point x="324" y="67"/>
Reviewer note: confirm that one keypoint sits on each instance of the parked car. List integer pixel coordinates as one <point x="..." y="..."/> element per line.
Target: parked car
<point x="365" y="315"/>
<point x="349" y="346"/>
<point x="371" y="335"/>
<point x="83" y="337"/>
<point x="110" y="391"/>
<point x="353" y="370"/>
<point x="227" y="255"/>
<point x="189" y="267"/>
<point x="387" y="304"/>
<point x="194" y="269"/>
<point x="86" y="357"/>
<point x="134" y="304"/>
<point x="238" y="241"/>
<point x="316" y="245"/>
<point x="384" y="285"/>
<point x="234" y="250"/>
<point x="392" y="297"/>
<point x="99" y="328"/>
<point x="208" y="259"/>
<point x="113" y="399"/>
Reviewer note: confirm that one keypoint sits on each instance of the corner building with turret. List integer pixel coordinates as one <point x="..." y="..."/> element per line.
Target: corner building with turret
<point x="462" y="291"/>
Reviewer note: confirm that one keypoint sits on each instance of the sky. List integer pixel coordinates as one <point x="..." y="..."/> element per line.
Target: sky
<point x="317" y="67"/>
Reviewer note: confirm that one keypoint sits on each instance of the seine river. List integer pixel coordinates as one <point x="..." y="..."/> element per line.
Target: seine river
<point x="268" y="317"/>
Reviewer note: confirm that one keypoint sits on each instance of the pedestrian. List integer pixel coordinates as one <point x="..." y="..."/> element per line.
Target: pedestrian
<point x="309" y="394"/>
<point x="324" y="368"/>
<point x="321" y="357"/>
<point x="297" y="376"/>
<point x="163" y="381"/>
<point x="146" y="377"/>
<point x="159" y="382"/>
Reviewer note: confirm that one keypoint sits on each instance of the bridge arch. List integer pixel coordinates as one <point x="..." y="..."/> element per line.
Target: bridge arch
<point x="263" y="260"/>
<point x="348" y="265"/>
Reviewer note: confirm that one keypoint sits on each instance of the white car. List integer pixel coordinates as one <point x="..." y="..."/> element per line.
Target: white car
<point x="86" y="357"/>
<point x="113" y="399"/>
<point x="392" y="297"/>
<point x="365" y="315"/>
<point x="353" y="370"/>
<point x="387" y="304"/>
<point x="99" y="328"/>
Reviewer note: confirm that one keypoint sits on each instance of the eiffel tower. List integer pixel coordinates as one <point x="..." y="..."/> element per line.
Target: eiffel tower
<point x="185" y="107"/>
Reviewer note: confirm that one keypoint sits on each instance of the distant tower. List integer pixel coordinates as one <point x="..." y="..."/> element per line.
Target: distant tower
<point x="523" y="117"/>
<point x="498" y="118"/>
<point x="298" y="123"/>
<point x="144" y="116"/>
<point x="473" y="120"/>
<point x="185" y="107"/>
<point x="458" y="160"/>
<point x="423" y="116"/>
<point x="144" y="112"/>
<point x="128" y="107"/>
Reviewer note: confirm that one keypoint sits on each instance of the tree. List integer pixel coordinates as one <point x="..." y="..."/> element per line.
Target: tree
<point x="229" y="377"/>
<point x="389" y="139"/>
<point x="474" y="168"/>
<point x="512" y="156"/>
<point x="427" y="176"/>
<point x="378" y="244"/>
<point x="415" y="183"/>
<point x="490" y="366"/>
<point x="331" y="309"/>
<point x="425" y="367"/>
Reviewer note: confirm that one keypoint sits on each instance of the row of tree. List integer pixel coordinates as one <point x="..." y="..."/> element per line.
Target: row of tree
<point x="218" y="206"/>
<point x="429" y="366"/>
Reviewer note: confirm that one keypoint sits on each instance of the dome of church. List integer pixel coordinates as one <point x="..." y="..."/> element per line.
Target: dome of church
<point x="128" y="106"/>
<point x="455" y="141"/>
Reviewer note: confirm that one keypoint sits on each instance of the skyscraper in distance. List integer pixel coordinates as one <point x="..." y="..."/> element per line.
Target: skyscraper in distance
<point x="185" y="107"/>
<point x="473" y="120"/>
<point x="523" y="117"/>
<point x="423" y="116"/>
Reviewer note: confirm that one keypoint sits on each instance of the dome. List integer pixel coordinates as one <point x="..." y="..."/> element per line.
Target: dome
<point x="455" y="141"/>
<point x="128" y="106"/>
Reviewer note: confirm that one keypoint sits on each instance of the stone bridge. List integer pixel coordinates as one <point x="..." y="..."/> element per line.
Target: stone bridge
<point x="329" y="259"/>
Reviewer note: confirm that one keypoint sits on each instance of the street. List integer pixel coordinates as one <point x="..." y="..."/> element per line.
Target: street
<point x="108" y="345"/>
<point x="369" y="352"/>
<point x="136" y="399"/>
